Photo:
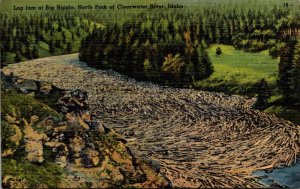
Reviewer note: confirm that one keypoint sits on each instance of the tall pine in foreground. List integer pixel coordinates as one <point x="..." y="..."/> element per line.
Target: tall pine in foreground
<point x="285" y="80"/>
<point x="295" y="72"/>
<point x="204" y="65"/>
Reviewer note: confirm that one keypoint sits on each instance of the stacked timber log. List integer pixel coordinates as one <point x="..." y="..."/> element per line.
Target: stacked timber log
<point x="198" y="139"/>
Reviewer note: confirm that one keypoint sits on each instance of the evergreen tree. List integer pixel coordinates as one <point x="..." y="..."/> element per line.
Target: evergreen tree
<point x="148" y="68"/>
<point x="59" y="29"/>
<point x="49" y="26"/>
<point x="22" y="49"/>
<point x="3" y="56"/>
<point x="205" y="64"/>
<point x="37" y="34"/>
<point x="51" y="47"/>
<point x="35" y="52"/>
<point x="18" y="57"/>
<point x="73" y="37"/>
<point x="285" y="67"/>
<point x="78" y="32"/>
<point x="218" y="37"/>
<point x="28" y="53"/>
<point x="263" y="94"/>
<point x="9" y="44"/>
<point x="64" y="36"/>
<point x="218" y="51"/>
<point x="52" y="32"/>
<point x="295" y="74"/>
<point x="42" y="23"/>
<point x="69" y="47"/>
<point x="4" y="59"/>
<point x="57" y="43"/>
<point x="196" y="65"/>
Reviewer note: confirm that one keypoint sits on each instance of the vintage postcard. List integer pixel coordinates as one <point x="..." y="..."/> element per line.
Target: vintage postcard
<point x="150" y="94"/>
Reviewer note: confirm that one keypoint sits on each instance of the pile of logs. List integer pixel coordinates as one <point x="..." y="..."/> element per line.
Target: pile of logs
<point x="73" y="101"/>
<point x="199" y="139"/>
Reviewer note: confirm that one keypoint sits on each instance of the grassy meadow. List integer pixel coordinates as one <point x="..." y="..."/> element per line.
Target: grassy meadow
<point x="236" y="71"/>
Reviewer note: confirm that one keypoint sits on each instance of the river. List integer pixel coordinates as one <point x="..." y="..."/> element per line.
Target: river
<point x="285" y="176"/>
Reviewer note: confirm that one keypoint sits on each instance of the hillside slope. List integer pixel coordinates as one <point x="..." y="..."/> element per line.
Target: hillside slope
<point x="199" y="139"/>
<point x="49" y="140"/>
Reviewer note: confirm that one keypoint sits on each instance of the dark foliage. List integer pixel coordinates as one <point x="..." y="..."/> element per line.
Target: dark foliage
<point x="218" y="51"/>
<point x="285" y="80"/>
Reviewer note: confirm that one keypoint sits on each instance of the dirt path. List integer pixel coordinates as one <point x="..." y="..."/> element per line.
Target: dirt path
<point x="199" y="139"/>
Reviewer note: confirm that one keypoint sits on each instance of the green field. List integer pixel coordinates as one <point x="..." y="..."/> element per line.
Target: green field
<point x="237" y="71"/>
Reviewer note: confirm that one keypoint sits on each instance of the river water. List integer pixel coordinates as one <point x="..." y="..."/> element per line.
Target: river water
<point x="285" y="176"/>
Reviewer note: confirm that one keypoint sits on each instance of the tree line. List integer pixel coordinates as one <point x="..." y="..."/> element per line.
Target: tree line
<point x="137" y="51"/>
<point x="25" y="37"/>
<point x="170" y="47"/>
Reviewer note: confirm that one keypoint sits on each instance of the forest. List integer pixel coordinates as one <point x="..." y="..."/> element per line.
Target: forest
<point x="159" y="46"/>
<point x="168" y="47"/>
<point x="171" y="48"/>
<point x="202" y="96"/>
<point x="34" y="36"/>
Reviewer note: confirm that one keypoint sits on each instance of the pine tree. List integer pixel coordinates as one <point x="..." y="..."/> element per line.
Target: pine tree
<point x="42" y="23"/>
<point x="219" y="38"/>
<point x="23" y="49"/>
<point x="285" y="79"/>
<point x="3" y="56"/>
<point x="205" y="64"/>
<point x="57" y="43"/>
<point x="18" y="57"/>
<point x="263" y="94"/>
<point x="52" y="32"/>
<point x="35" y="52"/>
<point x="59" y="29"/>
<point x="295" y="74"/>
<point x="9" y="44"/>
<point x="148" y="68"/>
<point x="73" y="37"/>
<point x="78" y="32"/>
<point x="69" y="47"/>
<point x="37" y="34"/>
<point x="218" y="51"/>
<point x="28" y="53"/>
<point x="64" y="36"/>
<point x="196" y="65"/>
<point x="51" y="47"/>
